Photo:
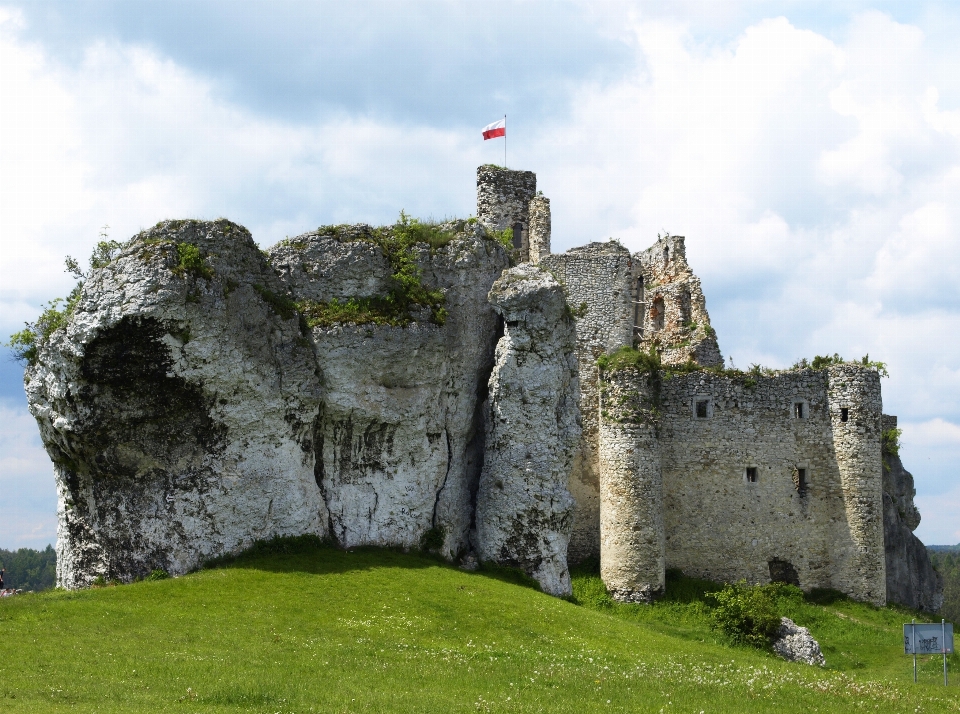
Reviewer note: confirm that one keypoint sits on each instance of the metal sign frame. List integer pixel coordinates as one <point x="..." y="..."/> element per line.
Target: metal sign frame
<point x="932" y="638"/>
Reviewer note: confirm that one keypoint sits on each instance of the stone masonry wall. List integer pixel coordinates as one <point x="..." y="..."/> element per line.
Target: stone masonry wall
<point x="596" y="280"/>
<point x="539" y="231"/>
<point x="671" y="312"/>
<point x="821" y="527"/>
<point x="632" y="547"/>
<point x="503" y="196"/>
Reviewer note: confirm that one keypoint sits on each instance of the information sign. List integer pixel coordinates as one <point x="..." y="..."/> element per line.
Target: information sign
<point x="933" y="638"/>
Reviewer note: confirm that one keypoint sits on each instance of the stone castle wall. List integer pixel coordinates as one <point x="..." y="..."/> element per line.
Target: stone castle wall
<point x="632" y="547"/>
<point x="820" y="527"/>
<point x="671" y="312"/>
<point x="539" y="231"/>
<point x="596" y="279"/>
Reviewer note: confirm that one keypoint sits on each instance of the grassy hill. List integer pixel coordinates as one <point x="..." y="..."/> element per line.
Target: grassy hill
<point x="302" y="628"/>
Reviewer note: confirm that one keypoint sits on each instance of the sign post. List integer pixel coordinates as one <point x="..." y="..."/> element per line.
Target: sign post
<point x="928" y="639"/>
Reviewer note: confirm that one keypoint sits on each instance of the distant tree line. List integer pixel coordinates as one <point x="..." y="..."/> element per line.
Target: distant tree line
<point x="29" y="569"/>
<point x="947" y="562"/>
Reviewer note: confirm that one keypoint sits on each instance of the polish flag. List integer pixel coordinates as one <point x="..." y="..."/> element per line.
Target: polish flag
<point x="498" y="128"/>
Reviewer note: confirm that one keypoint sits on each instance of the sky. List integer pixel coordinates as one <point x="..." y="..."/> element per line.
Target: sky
<point x="809" y="152"/>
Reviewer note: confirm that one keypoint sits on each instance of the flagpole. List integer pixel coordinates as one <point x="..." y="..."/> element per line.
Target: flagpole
<point x="504" y="141"/>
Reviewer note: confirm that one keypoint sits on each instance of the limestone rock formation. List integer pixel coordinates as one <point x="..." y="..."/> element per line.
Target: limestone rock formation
<point x="178" y="407"/>
<point x="399" y="442"/>
<point x="796" y="644"/>
<point x="911" y="579"/>
<point x="524" y="510"/>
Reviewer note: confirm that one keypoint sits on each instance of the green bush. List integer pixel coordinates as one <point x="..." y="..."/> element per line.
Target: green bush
<point x="158" y="574"/>
<point x="191" y="261"/>
<point x="890" y="441"/>
<point x="629" y="357"/>
<point x="748" y="615"/>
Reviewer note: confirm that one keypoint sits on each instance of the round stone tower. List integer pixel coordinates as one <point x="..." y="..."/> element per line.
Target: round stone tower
<point x="855" y="418"/>
<point x="632" y="544"/>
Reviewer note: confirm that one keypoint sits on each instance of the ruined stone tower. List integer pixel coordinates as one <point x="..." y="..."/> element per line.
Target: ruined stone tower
<point x="509" y="199"/>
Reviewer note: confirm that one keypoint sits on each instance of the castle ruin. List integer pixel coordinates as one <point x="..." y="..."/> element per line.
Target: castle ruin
<point x="189" y="412"/>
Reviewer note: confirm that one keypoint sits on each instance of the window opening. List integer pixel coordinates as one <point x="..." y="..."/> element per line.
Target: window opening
<point x="844" y="414"/>
<point x="657" y="312"/>
<point x="638" y="309"/>
<point x="798" y="410"/>
<point x="518" y="235"/>
<point x="666" y="255"/>
<point x="800" y="480"/>
<point x="702" y="408"/>
<point x="751" y="474"/>
<point x="686" y="308"/>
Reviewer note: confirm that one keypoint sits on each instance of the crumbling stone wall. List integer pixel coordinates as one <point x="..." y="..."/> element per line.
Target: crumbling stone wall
<point x="671" y="312"/>
<point x="632" y="546"/>
<point x="596" y="279"/>
<point x="524" y="510"/>
<point x="821" y="526"/>
<point x="539" y="232"/>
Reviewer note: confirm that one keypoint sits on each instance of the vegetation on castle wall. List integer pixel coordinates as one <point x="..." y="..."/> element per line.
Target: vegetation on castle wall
<point x="824" y="361"/>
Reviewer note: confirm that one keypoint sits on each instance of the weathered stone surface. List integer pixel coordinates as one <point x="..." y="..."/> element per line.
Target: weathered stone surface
<point x="911" y="579"/>
<point x="632" y="547"/>
<point x="596" y="279"/>
<point x="178" y="409"/>
<point x="524" y="510"/>
<point x="796" y="644"/>
<point x="826" y="527"/>
<point x="540" y="227"/>
<point x="671" y="312"/>
<point x="400" y="438"/>
<point x="503" y="197"/>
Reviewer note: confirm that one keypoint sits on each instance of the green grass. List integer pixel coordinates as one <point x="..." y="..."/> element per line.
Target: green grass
<point x="319" y="629"/>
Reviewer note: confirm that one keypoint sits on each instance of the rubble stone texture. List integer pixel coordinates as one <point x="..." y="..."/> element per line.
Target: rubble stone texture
<point x="632" y="547"/>
<point x="539" y="242"/>
<point x="670" y="311"/>
<point x="596" y="278"/>
<point x="796" y="644"/>
<point x="824" y="525"/>
<point x="524" y="510"/>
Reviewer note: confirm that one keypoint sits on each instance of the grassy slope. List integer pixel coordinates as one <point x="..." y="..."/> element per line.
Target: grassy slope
<point x="372" y="630"/>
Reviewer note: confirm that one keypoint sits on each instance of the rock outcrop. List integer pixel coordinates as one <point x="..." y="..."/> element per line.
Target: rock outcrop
<point x="524" y="510"/>
<point x="189" y="408"/>
<point x="400" y="438"/>
<point x="911" y="579"/>
<point x="178" y="407"/>
<point x="796" y="644"/>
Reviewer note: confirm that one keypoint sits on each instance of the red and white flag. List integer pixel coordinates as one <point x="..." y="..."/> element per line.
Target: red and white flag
<point x="498" y="128"/>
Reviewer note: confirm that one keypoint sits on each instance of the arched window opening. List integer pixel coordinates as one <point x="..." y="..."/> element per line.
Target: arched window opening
<point x="518" y="235"/>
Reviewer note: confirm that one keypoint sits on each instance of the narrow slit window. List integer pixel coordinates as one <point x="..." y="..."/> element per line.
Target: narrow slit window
<point x="844" y="414"/>
<point x="799" y="412"/>
<point x="702" y="408"/>
<point x="666" y="255"/>
<point x="751" y="474"/>
<point x="801" y="481"/>
<point x="518" y="235"/>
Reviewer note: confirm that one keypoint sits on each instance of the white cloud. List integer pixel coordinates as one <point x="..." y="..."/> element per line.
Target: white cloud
<point x="29" y="500"/>
<point x="815" y="179"/>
